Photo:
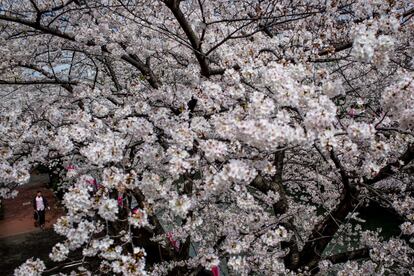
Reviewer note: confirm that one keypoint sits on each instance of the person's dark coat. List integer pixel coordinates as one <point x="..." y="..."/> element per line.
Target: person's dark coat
<point x="44" y="202"/>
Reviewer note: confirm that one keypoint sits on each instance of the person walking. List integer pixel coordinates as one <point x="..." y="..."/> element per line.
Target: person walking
<point x="39" y="205"/>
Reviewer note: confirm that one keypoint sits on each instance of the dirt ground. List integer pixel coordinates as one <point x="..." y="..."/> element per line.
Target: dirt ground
<point x="18" y="212"/>
<point x="19" y="238"/>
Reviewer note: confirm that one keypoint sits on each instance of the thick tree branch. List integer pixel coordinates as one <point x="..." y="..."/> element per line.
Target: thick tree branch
<point x="66" y="84"/>
<point x="145" y="70"/>
<point x="394" y="167"/>
<point x="324" y="232"/>
<point x="34" y="82"/>
<point x="134" y="61"/>
<point x="346" y="45"/>
<point x="349" y="256"/>
<point x="280" y="207"/>
<point x="174" y="6"/>
<point x="335" y="49"/>
<point x="112" y="73"/>
<point x="37" y="26"/>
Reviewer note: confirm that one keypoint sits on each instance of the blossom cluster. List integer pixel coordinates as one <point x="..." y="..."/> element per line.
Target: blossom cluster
<point x="241" y="136"/>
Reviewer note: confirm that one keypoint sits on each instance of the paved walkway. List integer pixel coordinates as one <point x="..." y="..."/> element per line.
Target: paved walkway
<point x="18" y="212"/>
<point x="19" y="238"/>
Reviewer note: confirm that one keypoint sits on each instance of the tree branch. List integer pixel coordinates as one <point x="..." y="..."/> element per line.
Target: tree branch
<point x="394" y="167"/>
<point x="174" y="6"/>
<point x="324" y="232"/>
<point x="33" y="82"/>
<point x="134" y="61"/>
<point x="348" y="256"/>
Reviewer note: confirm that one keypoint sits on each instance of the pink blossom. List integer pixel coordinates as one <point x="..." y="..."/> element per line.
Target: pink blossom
<point x="70" y="167"/>
<point x="91" y="181"/>
<point x="173" y="242"/>
<point x="215" y="270"/>
<point x="120" y="201"/>
<point x="352" y="112"/>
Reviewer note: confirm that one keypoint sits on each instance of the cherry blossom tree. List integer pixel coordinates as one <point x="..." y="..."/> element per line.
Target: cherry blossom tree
<point x="204" y="137"/>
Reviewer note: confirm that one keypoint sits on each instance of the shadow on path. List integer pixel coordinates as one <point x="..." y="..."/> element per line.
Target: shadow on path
<point x="15" y="250"/>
